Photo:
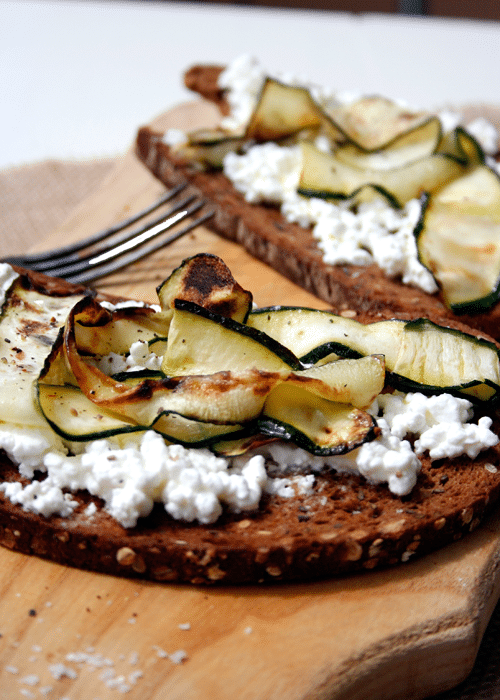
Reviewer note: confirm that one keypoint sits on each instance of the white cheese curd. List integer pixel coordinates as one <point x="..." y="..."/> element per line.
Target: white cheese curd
<point x="139" y="357"/>
<point x="243" y="79"/>
<point x="175" y="137"/>
<point x="449" y="119"/>
<point x="26" y="446"/>
<point x="389" y="460"/>
<point x="7" y="277"/>
<point x="268" y="172"/>
<point x="127" y="304"/>
<point x="441" y="422"/>
<point x="288" y="487"/>
<point x="485" y="133"/>
<point x="192" y="484"/>
<point x="443" y="429"/>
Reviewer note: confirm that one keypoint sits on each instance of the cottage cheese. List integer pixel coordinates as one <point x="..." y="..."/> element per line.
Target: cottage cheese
<point x="138" y="358"/>
<point x="7" y="277"/>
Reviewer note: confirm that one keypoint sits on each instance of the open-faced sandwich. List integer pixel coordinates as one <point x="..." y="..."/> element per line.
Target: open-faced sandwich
<point x="207" y="441"/>
<point x="363" y="201"/>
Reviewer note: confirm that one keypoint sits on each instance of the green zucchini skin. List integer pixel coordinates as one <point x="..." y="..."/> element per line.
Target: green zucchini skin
<point x="280" y="430"/>
<point x="77" y="419"/>
<point x="360" y="193"/>
<point x="325" y="175"/>
<point x="88" y="405"/>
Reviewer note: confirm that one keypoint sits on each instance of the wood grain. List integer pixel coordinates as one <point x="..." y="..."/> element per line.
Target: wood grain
<point x="407" y="632"/>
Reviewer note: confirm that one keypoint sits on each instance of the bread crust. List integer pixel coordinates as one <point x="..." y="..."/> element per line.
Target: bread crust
<point x="347" y="525"/>
<point x="289" y="248"/>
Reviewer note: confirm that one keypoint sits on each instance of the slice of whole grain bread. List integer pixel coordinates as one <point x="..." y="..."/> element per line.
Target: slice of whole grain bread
<point x="344" y="525"/>
<point x="289" y="248"/>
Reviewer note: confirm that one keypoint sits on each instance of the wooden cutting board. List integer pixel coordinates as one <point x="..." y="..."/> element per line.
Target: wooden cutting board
<point x="408" y="632"/>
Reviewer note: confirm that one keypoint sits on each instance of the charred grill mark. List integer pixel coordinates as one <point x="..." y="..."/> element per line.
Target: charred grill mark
<point x="15" y="300"/>
<point x="31" y="328"/>
<point x="207" y="282"/>
<point x="225" y="307"/>
<point x="259" y="382"/>
<point x="204" y="279"/>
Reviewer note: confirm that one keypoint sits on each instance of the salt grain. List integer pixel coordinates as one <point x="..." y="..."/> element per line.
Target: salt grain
<point x="133" y="658"/>
<point x="135" y="676"/>
<point x="178" y="656"/>
<point x="95" y="660"/>
<point x="30" y="680"/>
<point x="160" y="653"/>
<point x="59" y="671"/>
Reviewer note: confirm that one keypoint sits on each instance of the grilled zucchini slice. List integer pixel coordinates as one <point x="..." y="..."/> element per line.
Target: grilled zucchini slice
<point x="282" y="110"/>
<point x="320" y="426"/>
<point x="201" y="342"/>
<point x="208" y="147"/>
<point x="458" y="240"/>
<point x="76" y="418"/>
<point x="374" y="122"/>
<point x="326" y="176"/>
<point x="420" y="355"/>
<point x="420" y="142"/>
<point x="206" y="281"/>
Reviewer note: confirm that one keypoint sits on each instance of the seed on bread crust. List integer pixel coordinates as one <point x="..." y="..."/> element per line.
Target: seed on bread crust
<point x="125" y="556"/>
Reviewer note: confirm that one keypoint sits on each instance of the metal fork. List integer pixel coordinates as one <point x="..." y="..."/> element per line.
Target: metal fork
<point x="109" y="252"/>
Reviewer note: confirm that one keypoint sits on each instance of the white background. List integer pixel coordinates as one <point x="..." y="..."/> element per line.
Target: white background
<point x="78" y="78"/>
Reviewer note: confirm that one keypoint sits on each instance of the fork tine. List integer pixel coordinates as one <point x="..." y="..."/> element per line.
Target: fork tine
<point x="49" y="259"/>
<point x="98" y="270"/>
<point x="82" y="264"/>
<point x="58" y="266"/>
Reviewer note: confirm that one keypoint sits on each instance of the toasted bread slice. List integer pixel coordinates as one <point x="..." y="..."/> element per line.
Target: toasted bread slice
<point x="345" y="524"/>
<point x="288" y="247"/>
